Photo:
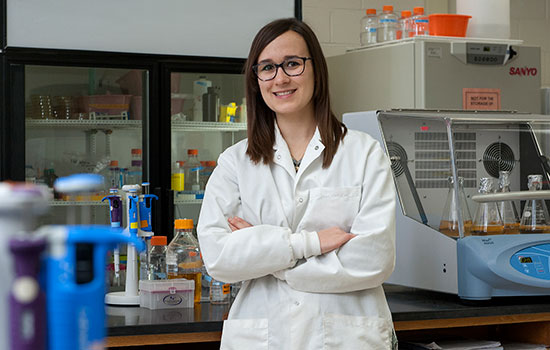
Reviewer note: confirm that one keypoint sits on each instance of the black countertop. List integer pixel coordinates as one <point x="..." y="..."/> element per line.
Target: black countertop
<point x="406" y="304"/>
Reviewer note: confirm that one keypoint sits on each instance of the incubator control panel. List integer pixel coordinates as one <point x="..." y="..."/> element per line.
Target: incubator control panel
<point x="533" y="261"/>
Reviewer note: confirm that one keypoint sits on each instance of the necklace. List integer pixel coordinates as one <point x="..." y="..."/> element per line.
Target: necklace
<point x="296" y="164"/>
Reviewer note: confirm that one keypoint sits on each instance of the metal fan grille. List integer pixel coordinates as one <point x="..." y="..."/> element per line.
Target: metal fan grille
<point x="397" y="154"/>
<point x="498" y="156"/>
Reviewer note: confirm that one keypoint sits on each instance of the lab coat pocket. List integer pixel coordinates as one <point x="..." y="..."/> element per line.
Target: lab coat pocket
<point x="239" y="334"/>
<point x="356" y="332"/>
<point x="331" y="206"/>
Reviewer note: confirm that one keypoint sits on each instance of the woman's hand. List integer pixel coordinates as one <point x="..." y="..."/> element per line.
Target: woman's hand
<point x="333" y="238"/>
<point x="236" y="223"/>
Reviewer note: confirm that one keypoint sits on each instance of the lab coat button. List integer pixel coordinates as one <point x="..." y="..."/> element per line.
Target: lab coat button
<point x="278" y="156"/>
<point x="297" y="303"/>
<point x="301" y="200"/>
<point x="316" y="148"/>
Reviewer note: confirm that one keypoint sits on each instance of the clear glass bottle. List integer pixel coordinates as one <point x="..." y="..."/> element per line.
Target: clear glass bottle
<point x="507" y="209"/>
<point x="134" y="172"/>
<point x="449" y="220"/>
<point x="419" y="22"/>
<point x="487" y="220"/>
<point x="220" y="292"/>
<point x="405" y="24"/>
<point x="387" y="27"/>
<point x="157" y="258"/>
<point x="192" y="171"/>
<point x="535" y="214"/>
<point x="144" y="262"/>
<point x="369" y="26"/>
<point x="183" y="258"/>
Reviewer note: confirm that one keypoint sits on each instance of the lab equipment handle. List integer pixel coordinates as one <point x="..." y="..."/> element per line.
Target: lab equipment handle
<point x="511" y="196"/>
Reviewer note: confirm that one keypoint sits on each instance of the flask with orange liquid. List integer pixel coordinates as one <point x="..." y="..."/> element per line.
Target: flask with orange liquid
<point x="535" y="215"/>
<point x="449" y="219"/>
<point x="507" y="208"/>
<point x="487" y="220"/>
<point x="183" y="258"/>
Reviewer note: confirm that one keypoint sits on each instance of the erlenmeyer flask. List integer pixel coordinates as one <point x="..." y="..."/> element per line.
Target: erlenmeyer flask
<point x="449" y="220"/>
<point x="487" y="220"/>
<point x="535" y="216"/>
<point x="507" y="209"/>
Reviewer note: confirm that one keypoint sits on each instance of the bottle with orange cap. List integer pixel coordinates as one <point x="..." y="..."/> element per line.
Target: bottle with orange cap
<point x="192" y="172"/>
<point x="419" y="22"/>
<point x="405" y="25"/>
<point x="369" y="25"/>
<point x="387" y="29"/>
<point x="157" y="258"/>
<point x="183" y="258"/>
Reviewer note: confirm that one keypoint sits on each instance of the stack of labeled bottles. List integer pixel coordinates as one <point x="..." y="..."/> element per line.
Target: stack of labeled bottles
<point x="388" y="27"/>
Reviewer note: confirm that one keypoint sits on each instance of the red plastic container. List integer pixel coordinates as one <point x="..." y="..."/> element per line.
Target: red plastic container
<point x="445" y="24"/>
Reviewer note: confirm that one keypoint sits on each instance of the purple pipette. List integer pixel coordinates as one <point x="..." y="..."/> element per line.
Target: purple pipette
<point x="27" y="301"/>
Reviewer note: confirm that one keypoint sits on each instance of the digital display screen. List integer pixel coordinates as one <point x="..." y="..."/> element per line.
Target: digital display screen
<point x="486" y="49"/>
<point x="525" y="259"/>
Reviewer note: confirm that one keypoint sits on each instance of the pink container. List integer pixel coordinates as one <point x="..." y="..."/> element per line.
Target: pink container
<point x="131" y="82"/>
<point x="106" y="104"/>
<point x="136" y="108"/>
<point x="176" y="105"/>
<point x="175" y="82"/>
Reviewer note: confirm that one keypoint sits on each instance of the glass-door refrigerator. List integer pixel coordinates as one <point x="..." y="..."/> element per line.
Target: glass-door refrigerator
<point x="71" y="113"/>
<point x="206" y="114"/>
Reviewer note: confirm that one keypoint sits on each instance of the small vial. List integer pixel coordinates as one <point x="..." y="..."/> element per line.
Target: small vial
<point x="219" y="292"/>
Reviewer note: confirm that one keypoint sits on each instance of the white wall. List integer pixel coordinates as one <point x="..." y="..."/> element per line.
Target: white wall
<point x="337" y="23"/>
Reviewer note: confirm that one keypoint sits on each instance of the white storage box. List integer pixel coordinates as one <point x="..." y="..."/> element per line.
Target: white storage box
<point x="166" y="294"/>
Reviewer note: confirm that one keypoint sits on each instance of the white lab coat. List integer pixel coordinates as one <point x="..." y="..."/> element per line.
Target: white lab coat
<point x="292" y="296"/>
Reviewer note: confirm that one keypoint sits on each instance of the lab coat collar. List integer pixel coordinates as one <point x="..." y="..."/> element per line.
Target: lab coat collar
<point x="284" y="158"/>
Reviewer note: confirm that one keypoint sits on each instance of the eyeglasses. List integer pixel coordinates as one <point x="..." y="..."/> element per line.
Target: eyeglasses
<point x="292" y="66"/>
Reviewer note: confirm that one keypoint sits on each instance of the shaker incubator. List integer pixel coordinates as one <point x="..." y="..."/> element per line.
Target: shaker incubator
<point x="463" y="180"/>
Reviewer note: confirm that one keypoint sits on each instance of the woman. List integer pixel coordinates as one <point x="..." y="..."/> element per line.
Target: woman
<point x="302" y="211"/>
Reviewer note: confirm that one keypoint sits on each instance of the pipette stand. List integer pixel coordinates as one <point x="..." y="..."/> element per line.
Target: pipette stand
<point x="130" y="295"/>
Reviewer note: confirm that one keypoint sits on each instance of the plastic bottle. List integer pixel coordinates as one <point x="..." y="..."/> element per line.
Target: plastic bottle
<point x="419" y="23"/>
<point x="210" y="105"/>
<point x="487" y="220"/>
<point x="192" y="169"/>
<point x="387" y="29"/>
<point x="144" y="259"/>
<point x="449" y="220"/>
<point x="134" y="172"/>
<point x="178" y="176"/>
<point x="242" y="111"/>
<point x="220" y="292"/>
<point x="200" y="87"/>
<point x="507" y="209"/>
<point x="114" y="174"/>
<point x="405" y="25"/>
<point x="183" y="258"/>
<point x="30" y="174"/>
<point x="369" y="25"/>
<point x="207" y="169"/>
<point x="535" y="215"/>
<point x="157" y="258"/>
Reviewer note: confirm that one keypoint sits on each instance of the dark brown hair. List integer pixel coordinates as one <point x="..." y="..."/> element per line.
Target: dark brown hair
<point x="261" y="119"/>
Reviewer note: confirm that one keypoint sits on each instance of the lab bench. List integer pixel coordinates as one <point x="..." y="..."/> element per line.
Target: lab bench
<point x="417" y="315"/>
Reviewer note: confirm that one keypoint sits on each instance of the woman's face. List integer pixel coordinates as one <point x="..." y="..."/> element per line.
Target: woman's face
<point x="288" y="96"/>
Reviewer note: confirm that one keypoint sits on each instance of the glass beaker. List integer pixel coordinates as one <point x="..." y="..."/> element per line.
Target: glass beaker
<point x="535" y="215"/>
<point x="507" y="209"/>
<point x="487" y="220"/>
<point x="449" y="220"/>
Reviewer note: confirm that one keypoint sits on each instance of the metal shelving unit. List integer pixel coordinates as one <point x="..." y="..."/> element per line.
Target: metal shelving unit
<point x="207" y="126"/>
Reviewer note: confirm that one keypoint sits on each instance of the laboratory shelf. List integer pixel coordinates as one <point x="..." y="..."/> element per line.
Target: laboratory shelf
<point x="82" y="124"/>
<point x="207" y="126"/>
<point x="187" y="201"/>
<point x="60" y="203"/>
